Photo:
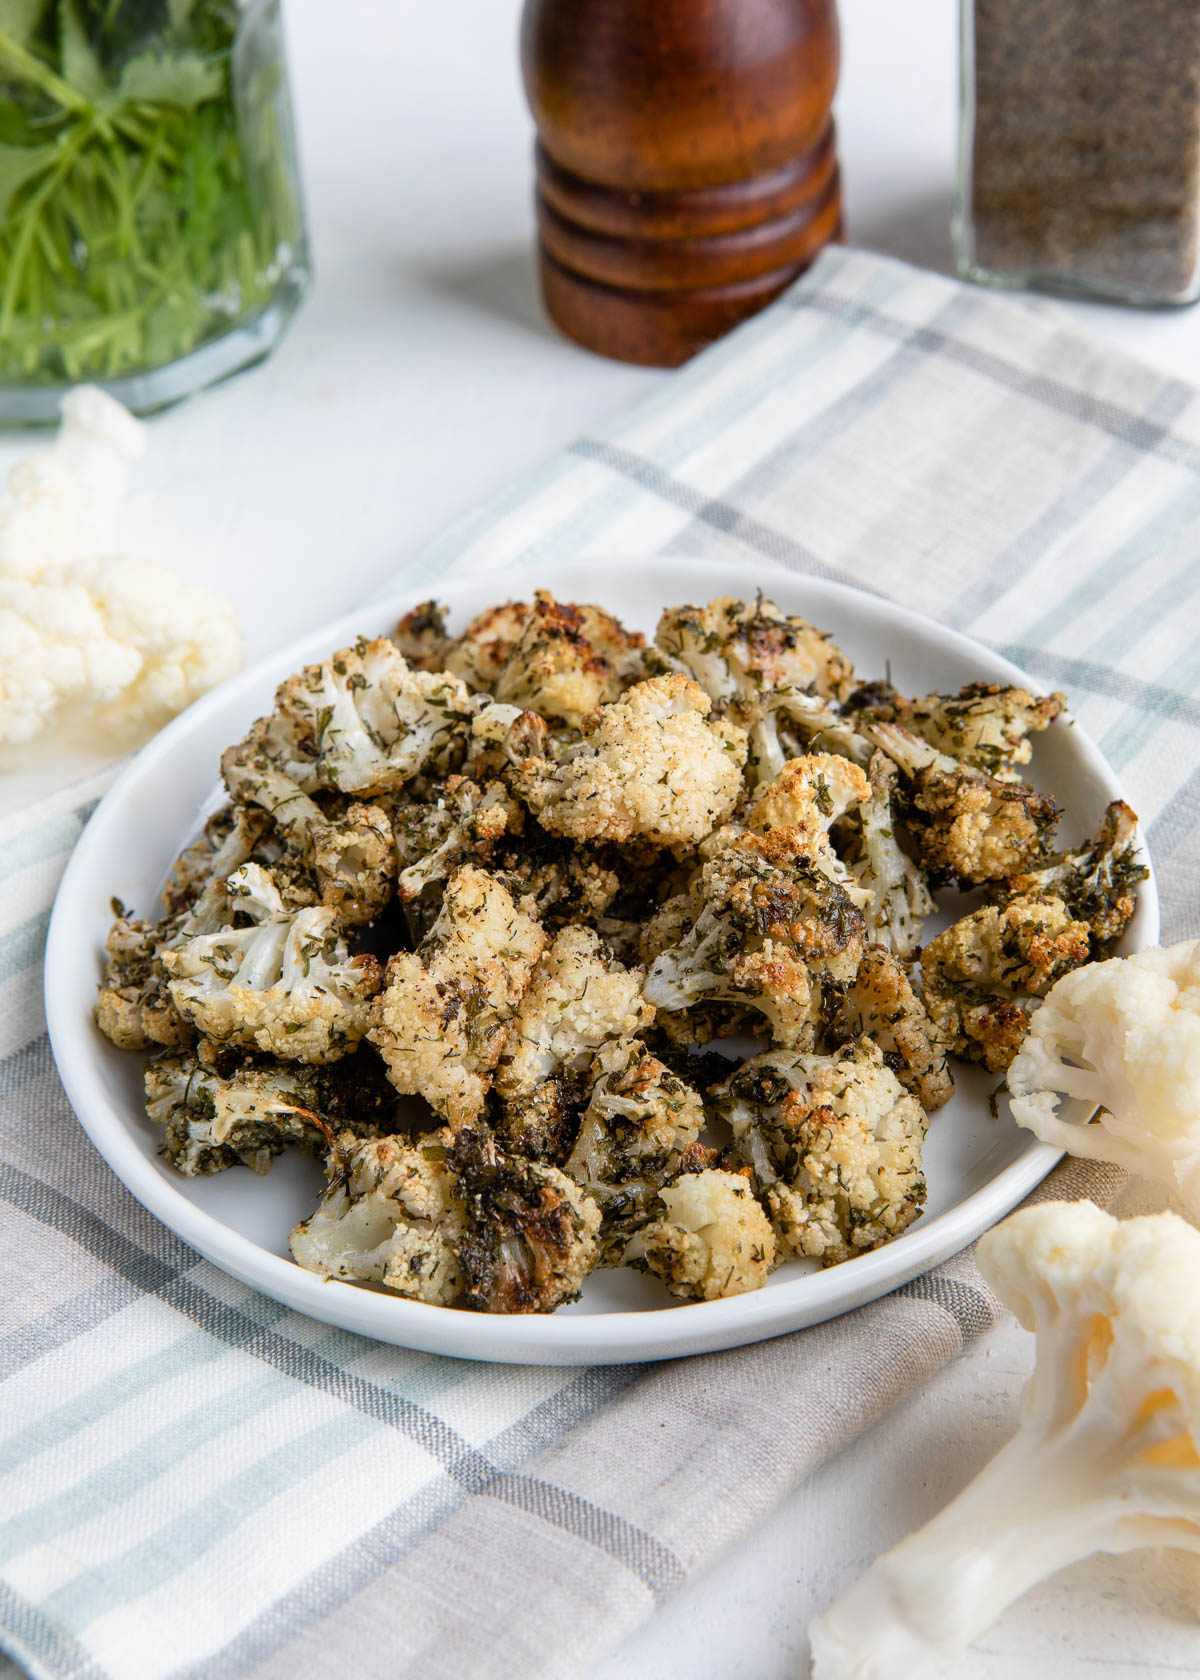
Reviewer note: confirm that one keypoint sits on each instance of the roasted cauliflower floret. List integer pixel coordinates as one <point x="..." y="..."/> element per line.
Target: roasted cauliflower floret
<point x="983" y="976"/>
<point x="638" y="1131"/>
<point x="250" y="1114"/>
<point x="1096" y="881"/>
<point x="835" y="1144"/>
<point x="808" y="796"/>
<point x="578" y="998"/>
<point x="464" y="823"/>
<point x="760" y="930"/>
<point x="968" y="827"/>
<point x="567" y="660"/>
<point x="898" y="901"/>
<point x="880" y="1004"/>
<point x="441" y="1022"/>
<point x="286" y="985"/>
<point x="421" y="637"/>
<point x="480" y="654"/>
<point x="361" y="721"/>
<point x="532" y="1236"/>
<point x="708" y="1238"/>
<point x="392" y="1214"/>
<point x="650" y="766"/>
<point x="984" y="725"/>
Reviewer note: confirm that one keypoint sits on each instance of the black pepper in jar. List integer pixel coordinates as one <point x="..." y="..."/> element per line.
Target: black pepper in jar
<point x="1081" y="146"/>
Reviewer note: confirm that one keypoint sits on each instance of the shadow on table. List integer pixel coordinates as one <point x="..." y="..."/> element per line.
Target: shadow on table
<point x="917" y="231"/>
<point x="504" y="284"/>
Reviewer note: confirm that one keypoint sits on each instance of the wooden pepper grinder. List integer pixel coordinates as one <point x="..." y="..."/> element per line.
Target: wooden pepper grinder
<point x="686" y="164"/>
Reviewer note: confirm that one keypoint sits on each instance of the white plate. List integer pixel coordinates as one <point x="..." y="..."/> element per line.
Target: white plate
<point x="978" y="1167"/>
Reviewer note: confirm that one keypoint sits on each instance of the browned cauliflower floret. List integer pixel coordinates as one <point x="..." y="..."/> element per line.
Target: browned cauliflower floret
<point x="421" y="636"/>
<point x="880" y="1004"/>
<point x="286" y="984"/>
<point x="709" y="1238"/>
<point x="1096" y="881"/>
<point x="392" y="1215"/>
<point x="578" y="998"/>
<point x="983" y="975"/>
<point x="532" y="1236"/>
<point x="638" y="1131"/>
<point x="736" y="650"/>
<point x="968" y="827"/>
<point x="568" y="659"/>
<point x="835" y="1144"/>
<point x="480" y="654"/>
<point x="808" y="796"/>
<point x="443" y="1017"/>
<point x="650" y="766"/>
<point x="362" y="721"/>
<point x="984" y="725"/>
<point x="465" y="822"/>
<point x="249" y="1114"/>
<point x="898" y="900"/>
<point x="761" y="928"/>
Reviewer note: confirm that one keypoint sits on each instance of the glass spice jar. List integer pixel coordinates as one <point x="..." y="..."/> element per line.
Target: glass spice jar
<point x="151" y="227"/>
<point x="1079" y="162"/>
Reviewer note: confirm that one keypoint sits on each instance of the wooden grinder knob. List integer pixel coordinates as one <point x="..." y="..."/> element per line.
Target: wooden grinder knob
<point x="686" y="164"/>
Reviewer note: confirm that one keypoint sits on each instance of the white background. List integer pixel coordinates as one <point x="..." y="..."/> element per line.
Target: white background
<point x="421" y="376"/>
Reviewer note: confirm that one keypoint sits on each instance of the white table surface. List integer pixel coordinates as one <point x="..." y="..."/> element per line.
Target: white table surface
<point x="422" y="375"/>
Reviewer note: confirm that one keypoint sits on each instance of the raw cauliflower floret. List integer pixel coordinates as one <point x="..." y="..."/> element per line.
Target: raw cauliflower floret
<point x="568" y="659"/>
<point x="710" y="1240"/>
<point x="897" y="901"/>
<point x="1124" y="1034"/>
<point x="984" y="725"/>
<point x="250" y="1114"/>
<point x="579" y="997"/>
<point x="532" y="1237"/>
<point x="287" y="985"/>
<point x="361" y="721"/>
<point x="651" y="766"/>
<point x="969" y="827"/>
<point x="880" y="1004"/>
<point x="835" y="1144"/>
<point x="758" y="928"/>
<point x="983" y="976"/>
<point x="443" y="1017"/>
<point x="1096" y="881"/>
<point x="392" y="1215"/>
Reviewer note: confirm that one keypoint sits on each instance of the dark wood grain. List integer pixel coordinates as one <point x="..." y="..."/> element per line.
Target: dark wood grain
<point x="686" y="162"/>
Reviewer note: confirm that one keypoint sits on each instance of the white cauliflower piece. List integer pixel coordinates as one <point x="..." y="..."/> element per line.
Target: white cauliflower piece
<point x="392" y="1215"/>
<point x="442" y="1021"/>
<point x="251" y="1114"/>
<point x="86" y="634"/>
<point x="286" y="985"/>
<point x="650" y="766"/>
<point x="1124" y="1034"/>
<point x="898" y="900"/>
<point x="711" y="1239"/>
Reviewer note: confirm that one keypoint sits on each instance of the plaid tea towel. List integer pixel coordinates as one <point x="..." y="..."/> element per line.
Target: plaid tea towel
<point x="196" y="1484"/>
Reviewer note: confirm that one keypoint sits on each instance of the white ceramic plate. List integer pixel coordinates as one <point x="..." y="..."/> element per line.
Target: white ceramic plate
<point x="978" y="1166"/>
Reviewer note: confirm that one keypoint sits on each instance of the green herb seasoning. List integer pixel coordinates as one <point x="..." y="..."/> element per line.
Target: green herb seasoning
<point x="149" y="202"/>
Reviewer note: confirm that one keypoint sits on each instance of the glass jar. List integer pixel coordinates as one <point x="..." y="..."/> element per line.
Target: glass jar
<point x="1079" y="164"/>
<point x="151" y="226"/>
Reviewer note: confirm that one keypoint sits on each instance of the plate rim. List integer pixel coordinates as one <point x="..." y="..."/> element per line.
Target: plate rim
<point x="671" y="1331"/>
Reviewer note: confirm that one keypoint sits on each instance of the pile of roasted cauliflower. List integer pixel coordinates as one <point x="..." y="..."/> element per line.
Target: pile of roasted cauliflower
<point x="529" y="875"/>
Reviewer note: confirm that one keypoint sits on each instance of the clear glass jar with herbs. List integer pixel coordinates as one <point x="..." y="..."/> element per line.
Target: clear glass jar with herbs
<point x="1080" y="155"/>
<point x="151" y="226"/>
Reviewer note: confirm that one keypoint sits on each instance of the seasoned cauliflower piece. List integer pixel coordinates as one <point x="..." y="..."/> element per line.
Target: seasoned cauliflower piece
<point x="710" y="1240"/>
<point x="736" y="650"/>
<point x="968" y="827"/>
<point x="983" y="975"/>
<point x="758" y="929"/>
<point x="421" y="636"/>
<point x="251" y="1114"/>
<point x="568" y="659"/>
<point x="1096" y="881"/>
<point x="533" y="1232"/>
<point x="579" y="997"/>
<point x="638" y="1131"/>
<point x="464" y="823"/>
<point x="361" y="721"/>
<point x="286" y="985"/>
<point x="392" y="1214"/>
<point x="480" y="654"/>
<point x="835" y="1144"/>
<point x="442" y="1020"/>
<point x="880" y="1004"/>
<point x="898" y="900"/>
<point x="984" y="725"/>
<point x="650" y="766"/>
<point x="804" y="800"/>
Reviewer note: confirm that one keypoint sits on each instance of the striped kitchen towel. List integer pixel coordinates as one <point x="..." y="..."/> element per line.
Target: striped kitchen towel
<point x="195" y="1482"/>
